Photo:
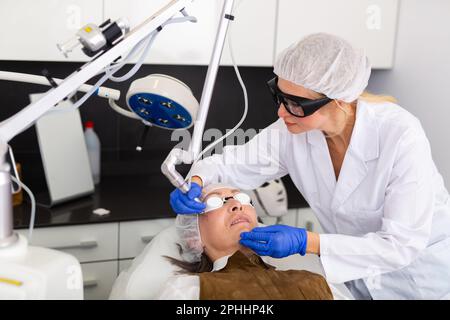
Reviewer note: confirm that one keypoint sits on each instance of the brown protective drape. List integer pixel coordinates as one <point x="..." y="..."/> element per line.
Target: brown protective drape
<point x="249" y="278"/>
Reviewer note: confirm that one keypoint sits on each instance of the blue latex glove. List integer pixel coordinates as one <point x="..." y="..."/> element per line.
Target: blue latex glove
<point x="277" y="241"/>
<point x="184" y="203"/>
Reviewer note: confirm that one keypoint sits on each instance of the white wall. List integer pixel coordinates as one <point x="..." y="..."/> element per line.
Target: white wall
<point x="420" y="79"/>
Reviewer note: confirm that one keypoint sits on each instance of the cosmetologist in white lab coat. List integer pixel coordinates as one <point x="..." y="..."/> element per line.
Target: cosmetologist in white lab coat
<point x="387" y="217"/>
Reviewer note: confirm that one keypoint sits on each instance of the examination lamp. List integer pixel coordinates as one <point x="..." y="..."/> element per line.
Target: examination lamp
<point x="158" y="100"/>
<point x="163" y="101"/>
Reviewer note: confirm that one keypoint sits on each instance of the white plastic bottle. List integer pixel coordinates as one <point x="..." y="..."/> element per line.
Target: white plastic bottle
<point x="93" y="147"/>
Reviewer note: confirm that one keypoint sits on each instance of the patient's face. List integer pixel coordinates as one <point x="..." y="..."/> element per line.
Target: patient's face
<point x="220" y="229"/>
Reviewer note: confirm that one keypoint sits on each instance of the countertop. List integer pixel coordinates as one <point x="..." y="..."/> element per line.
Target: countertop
<point x="126" y="197"/>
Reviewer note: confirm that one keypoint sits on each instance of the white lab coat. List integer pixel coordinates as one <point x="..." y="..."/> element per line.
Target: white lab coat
<point x="386" y="220"/>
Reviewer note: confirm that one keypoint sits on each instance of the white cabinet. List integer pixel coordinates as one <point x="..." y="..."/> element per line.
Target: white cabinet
<point x="252" y="33"/>
<point x="90" y="242"/>
<point x="181" y="43"/>
<point x="98" y="248"/>
<point x="135" y="235"/>
<point x="125" y="264"/>
<point x="369" y="24"/>
<point x="30" y="30"/>
<point x="92" y="245"/>
<point x="98" y="279"/>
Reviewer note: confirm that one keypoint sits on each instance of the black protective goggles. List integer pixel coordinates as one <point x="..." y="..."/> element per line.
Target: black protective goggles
<point x="297" y="106"/>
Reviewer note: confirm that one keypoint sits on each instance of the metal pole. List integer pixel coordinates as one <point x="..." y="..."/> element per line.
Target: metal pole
<point x="178" y="156"/>
<point x="7" y="235"/>
<point x="197" y="138"/>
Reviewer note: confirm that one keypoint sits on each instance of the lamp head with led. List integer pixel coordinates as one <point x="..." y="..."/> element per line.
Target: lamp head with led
<point x="163" y="101"/>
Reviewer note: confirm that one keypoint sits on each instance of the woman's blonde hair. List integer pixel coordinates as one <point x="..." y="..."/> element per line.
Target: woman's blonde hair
<point x="370" y="97"/>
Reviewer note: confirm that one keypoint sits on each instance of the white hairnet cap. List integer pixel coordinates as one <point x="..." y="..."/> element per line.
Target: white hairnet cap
<point x="215" y="186"/>
<point x="188" y="229"/>
<point x="326" y="64"/>
<point x="189" y="237"/>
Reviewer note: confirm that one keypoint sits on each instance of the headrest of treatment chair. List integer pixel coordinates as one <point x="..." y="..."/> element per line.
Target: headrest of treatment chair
<point x="150" y="270"/>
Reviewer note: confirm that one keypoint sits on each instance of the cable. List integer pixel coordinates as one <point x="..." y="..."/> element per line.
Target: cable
<point x="130" y="55"/>
<point x="151" y="39"/>
<point x="33" y="206"/>
<point x="122" y="111"/>
<point x="104" y="78"/>
<point x="138" y="65"/>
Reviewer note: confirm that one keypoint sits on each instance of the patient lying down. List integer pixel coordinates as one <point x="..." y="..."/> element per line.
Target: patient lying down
<point x="216" y="266"/>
